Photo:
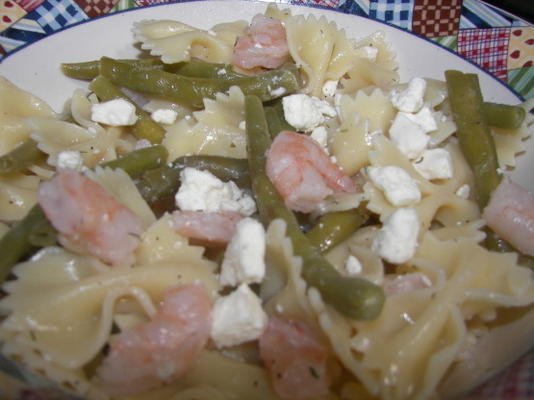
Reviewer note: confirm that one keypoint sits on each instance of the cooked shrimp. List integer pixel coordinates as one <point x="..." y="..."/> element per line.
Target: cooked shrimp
<point x="89" y="217"/>
<point x="211" y="228"/>
<point x="510" y="213"/>
<point x="302" y="172"/>
<point x="263" y="45"/>
<point x="148" y="355"/>
<point x="295" y="359"/>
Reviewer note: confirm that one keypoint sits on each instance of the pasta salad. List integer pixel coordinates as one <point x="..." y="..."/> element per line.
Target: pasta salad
<point x="262" y="210"/>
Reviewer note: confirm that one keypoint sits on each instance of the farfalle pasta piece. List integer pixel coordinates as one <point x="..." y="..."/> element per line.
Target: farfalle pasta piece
<point x="16" y="105"/>
<point x="439" y="200"/>
<point x="118" y="184"/>
<point x="361" y="116"/>
<point x="18" y="194"/>
<point x="95" y="143"/>
<point x="216" y="130"/>
<point x="320" y="50"/>
<point x="176" y="42"/>
<point x="509" y="143"/>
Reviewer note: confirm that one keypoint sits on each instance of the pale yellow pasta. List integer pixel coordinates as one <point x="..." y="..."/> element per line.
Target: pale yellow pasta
<point x="18" y="193"/>
<point x="16" y="105"/>
<point x="216" y="130"/>
<point x="320" y="50"/>
<point x="385" y="56"/>
<point x="439" y="200"/>
<point x="118" y="183"/>
<point x="420" y="332"/>
<point x="509" y="143"/>
<point x="62" y="306"/>
<point x="361" y="116"/>
<point x="175" y="41"/>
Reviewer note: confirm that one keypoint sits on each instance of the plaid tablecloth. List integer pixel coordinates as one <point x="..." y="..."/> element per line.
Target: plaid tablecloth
<point x="497" y="41"/>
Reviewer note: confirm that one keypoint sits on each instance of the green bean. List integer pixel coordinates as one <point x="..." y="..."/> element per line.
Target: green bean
<point x="21" y="157"/>
<point x="145" y="127"/>
<point x="355" y="297"/>
<point x="193" y="91"/>
<point x="139" y="161"/>
<point x="274" y="113"/>
<point x="504" y="116"/>
<point x="478" y="147"/>
<point x="335" y="227"/>
<point x="202" y="69"/>
<point x="15" y="244"/>
<point x="473" y="133"/>
<point x="89" y="70"/>
<point x="159" y="183"/>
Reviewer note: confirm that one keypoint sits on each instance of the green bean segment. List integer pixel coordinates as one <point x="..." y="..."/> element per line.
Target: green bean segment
<point x="21" y="157"/>
<point x="16" y="243"/>
<point x="89" y="70"/>
<point x="145" y="127"/>
<point x="473" y="133"/>
<point x="201" y="69"/>
<point x="276" y="121"/>
<point x="159" y="183"/>
<point x="139" y="161"/>
<point x="333" y="228"/>
<point x="193" y="91"/>
<point x="504" y="116"/>
<point x="357" y="298"/>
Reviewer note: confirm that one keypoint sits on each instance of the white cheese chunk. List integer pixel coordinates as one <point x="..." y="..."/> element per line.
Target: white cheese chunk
<point x="238" y="318"/>
<point x="408" y="136"/>
<point x="164" y="116"/>
<point x="464" y="191"/>
<point x="69" y="159"/>
<point x="396" y="241"/>
<point x="320" y="135"/>
<point x="435" y="164"/>
<point x="304" y="112"/>
<point x="203" y="191"/>
<point x="424" y="119"/>
<point x="244" y="259"/>
<point x="399" y="188"/>
<point x="410" y="99"/>
<point x="329" y="88"/>
<point x="353" y="267"/>
<point x="116" y="112"/>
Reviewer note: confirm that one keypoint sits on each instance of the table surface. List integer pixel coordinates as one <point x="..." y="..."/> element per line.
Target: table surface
<point x="500" y="42"/>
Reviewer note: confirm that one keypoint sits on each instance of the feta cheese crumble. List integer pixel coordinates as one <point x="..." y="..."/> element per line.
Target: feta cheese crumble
<point x="435" y="164"/>
<point x="69" y="159"/>
<point x="424" y="119"/>
<point x="116" y="112"/>
<point x="464" y="191"/>
<point x="410" y="99"/>
<point x="238" y="318"/>
<point x="329" y="88"/>
<point x="399" y="188"/>
<point x="244" y="259"/>
<point x="305" y="113"/>
<point x="320" y="135"/>
<point x="408" y="136"/>
<point x="353" y="267"/>
<point x="203" y="191"/>
<point x="164" y="116"/>
<point x="396" y="241"/>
